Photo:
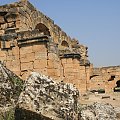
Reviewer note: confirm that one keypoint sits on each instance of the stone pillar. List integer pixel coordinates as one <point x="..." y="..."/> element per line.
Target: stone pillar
<point x="53" y="65"/>
<point x="83" y="80"/>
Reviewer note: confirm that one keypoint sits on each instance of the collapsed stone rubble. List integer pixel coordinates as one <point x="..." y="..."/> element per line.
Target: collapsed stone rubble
<point x="41" y="98"/>
<point x="44" y="96"/>
<point x="98" y="111"/>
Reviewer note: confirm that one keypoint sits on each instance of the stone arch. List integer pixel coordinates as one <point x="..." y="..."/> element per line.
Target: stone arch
<point x="43" y="29"/>
<point x="37" y="18"/>
<point x="117" y="87"/>
<point x="118" y="83"/>
<point x="64" y="44"/>
<point x="92" y="76"/>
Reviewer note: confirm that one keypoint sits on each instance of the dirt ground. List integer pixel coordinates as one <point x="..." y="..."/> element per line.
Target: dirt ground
<point x="113" y="99"/>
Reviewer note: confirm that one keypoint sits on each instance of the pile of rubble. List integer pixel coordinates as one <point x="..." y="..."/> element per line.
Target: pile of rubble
<point x="40" y="98"/>
<point x="48" y="98"/>
<point x="98" y="111"/>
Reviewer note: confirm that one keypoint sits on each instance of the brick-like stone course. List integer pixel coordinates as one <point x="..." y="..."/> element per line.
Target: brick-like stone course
<point x="30" y="41"/>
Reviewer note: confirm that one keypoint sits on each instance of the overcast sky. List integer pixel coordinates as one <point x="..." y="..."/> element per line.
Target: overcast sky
<point x="95" y="23"/>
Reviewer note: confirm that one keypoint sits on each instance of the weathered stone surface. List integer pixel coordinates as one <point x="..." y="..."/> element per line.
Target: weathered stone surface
<point x="42" y="95"/>
<point x="106" y="78"/>
<point x="30" y="37"/>
<point x="41" y="98"/>
<point x="98" y="111"/>
<point x="10" y="89"/>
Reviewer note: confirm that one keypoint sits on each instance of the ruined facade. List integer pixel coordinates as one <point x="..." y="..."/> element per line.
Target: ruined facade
<point x="105" y="78"/>
<point x="31" y="42"/>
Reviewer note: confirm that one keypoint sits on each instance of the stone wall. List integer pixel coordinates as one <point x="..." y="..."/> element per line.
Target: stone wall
<point x="31" y="42"/>
<point x="106" y="78"/>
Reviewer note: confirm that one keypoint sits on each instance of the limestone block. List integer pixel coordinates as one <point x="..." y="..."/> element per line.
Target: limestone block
<point x="63" y="60"/>
<point x="17" y="57"/>
<point x="27" y="57"/>
<point x="17" y="73"/>
<point x="10" y="57"/>
<point x="50" y="64"/>
<point x="39" y="47"/>
<point x="76" y="61"/>
<point x="40" y="55"/>
<point x="68" y="66"/>
<point x="27" y="66"/>
<point x="58" y="72"/>
<point x="82" y="71"/>
<point x="69" y="70"/>
<point x="15" y="50"/>
<point x="26" y="50"/>
<point x="40" y="64"/>
<point x="52" y="56"/>
<point x="76" y="70"/>
<point x="9" y="64"/>
<point x="7" y="44"/>
<point x="82" y="68"/>
<point x="15" y="69"/>
<point x="3" y="59"/>
<point x="69" y="60"/>
<point x="76" y="66"/>
<point x="3" y="53"/>
<point x="56" y="65"/>
<point x="9" y="52"/>
<point x="15" y="63"/>
<point x="51" y="72"/>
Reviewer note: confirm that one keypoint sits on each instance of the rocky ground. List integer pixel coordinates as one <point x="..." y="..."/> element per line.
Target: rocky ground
<point x="41" y="98"/>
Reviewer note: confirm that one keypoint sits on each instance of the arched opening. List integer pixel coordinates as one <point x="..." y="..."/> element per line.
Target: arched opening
<point x="43" y="29"/>
<point x="64" y="44"/>
<point x="112" y="78"/>
<point x="93" y="76"/>
<point x="117" y="88"/>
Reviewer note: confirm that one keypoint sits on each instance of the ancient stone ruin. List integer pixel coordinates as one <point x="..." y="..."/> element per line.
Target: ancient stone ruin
<point x="39" y="97"/>
<point x="106" y="79"/>
<point x="61" y="72"/>
<point x="32" y="42"/>
<point x="42" y="98"/>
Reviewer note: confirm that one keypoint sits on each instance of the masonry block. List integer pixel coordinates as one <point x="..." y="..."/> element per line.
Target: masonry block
<point x="39" y="47"/>
<point x="40" y="64"/>
<point x="26" y="50"/>
<point x="40" y="55"/>
<point x="27" y="66"/>
<point x="27" y="57"/>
